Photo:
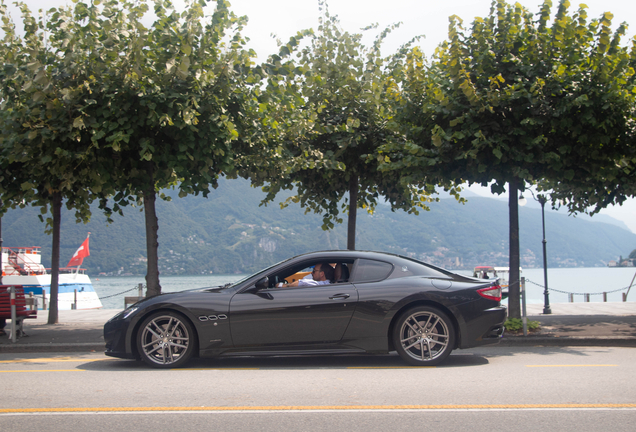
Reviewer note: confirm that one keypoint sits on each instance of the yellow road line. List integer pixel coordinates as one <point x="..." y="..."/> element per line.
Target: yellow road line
<point x="203" y="369"/>
<point x="574" y="365"/>
<point x="391" y="367"/>
<point x="53" y="360"/>
<point x="348" y="367"/>
<point x="42" y="370"/>
<point x="314" y="408"/>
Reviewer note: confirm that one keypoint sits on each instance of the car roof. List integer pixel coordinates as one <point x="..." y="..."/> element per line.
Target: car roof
<point x="371" y="255"/>
<point x="350" y="254"/>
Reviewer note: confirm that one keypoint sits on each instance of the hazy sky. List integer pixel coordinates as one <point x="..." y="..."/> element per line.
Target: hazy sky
<point x="419" y="17"/>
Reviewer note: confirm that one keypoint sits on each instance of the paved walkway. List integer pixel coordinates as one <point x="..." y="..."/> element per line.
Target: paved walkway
<point x="76" y="331"/>
<point x="617" y="309"/>
<point x="600" y="324"/>
<point x="581" y="324"/>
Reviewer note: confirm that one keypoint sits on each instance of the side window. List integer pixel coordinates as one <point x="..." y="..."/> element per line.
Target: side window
<point x="370" y="270"/>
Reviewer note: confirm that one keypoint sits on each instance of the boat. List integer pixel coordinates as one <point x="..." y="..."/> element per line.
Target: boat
<point x="23" y="266"/>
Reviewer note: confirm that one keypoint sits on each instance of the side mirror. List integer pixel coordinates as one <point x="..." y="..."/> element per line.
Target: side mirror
<point x="262" y="283"/>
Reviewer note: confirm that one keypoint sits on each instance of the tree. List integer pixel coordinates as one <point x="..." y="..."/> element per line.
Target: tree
<point x="174" y="101"/>
<point x="161" y="106"/>
<point x="45" y="156"/>
<point x="494" y="104"/>
<point x="344" y="89"/>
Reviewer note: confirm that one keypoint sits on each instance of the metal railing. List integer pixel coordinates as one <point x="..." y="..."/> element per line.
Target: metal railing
<point x="588" y="295"/>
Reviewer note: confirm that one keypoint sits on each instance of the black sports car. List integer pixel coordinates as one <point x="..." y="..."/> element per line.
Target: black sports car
<point x="376" y="303"/>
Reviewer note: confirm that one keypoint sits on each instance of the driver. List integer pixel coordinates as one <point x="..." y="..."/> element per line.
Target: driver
<point x="322" y="274"/>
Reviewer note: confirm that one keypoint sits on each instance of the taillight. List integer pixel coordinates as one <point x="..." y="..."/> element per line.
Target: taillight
<point x="491" y="293"/>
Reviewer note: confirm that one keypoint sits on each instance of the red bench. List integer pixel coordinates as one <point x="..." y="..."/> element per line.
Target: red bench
<point x="21" y="310"/>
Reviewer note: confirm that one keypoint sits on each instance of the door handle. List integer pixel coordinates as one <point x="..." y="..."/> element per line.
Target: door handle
<point x="339" y="296"/>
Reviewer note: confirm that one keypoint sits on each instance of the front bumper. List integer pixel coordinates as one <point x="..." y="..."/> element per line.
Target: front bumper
<point x="115" y="332"/>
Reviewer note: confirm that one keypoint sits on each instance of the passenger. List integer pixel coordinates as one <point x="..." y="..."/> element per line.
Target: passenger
<point x="322" y="274"/>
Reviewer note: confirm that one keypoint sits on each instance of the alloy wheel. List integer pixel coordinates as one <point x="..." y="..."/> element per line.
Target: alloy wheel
<point x="424" y="336"/>
<point x="165" y="340"/>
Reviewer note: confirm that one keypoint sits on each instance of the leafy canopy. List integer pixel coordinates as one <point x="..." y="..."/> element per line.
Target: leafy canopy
<point x="343" y="90"/>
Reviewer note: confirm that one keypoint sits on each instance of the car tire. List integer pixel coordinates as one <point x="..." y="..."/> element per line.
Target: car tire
<point x="423" y="336"/>
<point x="166" y="340"/>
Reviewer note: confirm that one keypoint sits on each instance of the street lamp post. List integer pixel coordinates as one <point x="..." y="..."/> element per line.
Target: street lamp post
<point x="546" y="293"/>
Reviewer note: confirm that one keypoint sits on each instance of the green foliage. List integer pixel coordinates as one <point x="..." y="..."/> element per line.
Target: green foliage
<point x="175" y="99"/>
<point x="45" y="150"/>
<point x="632" y="255"/>
<point x="593" y="106"/>
<point x="515" y="325"/>
<point x="344" y="90"/>
<point x="518" y="98"/>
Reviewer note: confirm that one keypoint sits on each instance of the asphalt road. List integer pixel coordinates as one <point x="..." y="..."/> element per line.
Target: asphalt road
<point x="486" y="389"/>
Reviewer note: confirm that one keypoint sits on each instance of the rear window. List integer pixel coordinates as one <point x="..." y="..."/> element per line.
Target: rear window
<point x="371" y="270"/>
<point x="414" y="268"/>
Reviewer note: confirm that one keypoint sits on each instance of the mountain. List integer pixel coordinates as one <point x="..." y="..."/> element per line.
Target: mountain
<point x="229" y="232"/>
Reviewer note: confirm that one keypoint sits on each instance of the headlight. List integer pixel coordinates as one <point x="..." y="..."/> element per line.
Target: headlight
<point x="129" y="312"/>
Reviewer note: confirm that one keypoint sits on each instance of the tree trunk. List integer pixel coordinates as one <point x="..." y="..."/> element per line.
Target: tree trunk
<point x="152" y="237"/>
<point x="56" y="206"/>
<point x="514" y="307"/>
<point x="353" y="212"/>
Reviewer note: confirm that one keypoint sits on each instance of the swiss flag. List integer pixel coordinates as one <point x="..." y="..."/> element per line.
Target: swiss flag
<point x="79" y="255"/>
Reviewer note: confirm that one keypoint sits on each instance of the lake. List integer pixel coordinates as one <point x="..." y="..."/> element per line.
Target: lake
<point x="561" y="281"/>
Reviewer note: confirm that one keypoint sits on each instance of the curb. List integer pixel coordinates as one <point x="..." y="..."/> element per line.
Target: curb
<point x="567" y="341"/>
<point x="53" y="347"/>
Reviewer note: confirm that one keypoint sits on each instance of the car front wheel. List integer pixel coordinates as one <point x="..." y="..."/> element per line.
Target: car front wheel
<point x="166" y="340"/>
<point x="424" y="336"/>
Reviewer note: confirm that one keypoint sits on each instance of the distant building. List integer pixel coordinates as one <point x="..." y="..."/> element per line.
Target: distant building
<point x="624" y="263"/>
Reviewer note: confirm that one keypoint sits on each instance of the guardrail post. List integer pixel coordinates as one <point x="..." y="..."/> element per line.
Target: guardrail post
<point x="74" y="305"/>
<point x="571" y="296"/>
<point x="605" y="297"/>
<point x="131" y="300"/>
<point x="524" y="318"/>
<point x="34" y="301"/>
<point x="43" y="299"/>
<point x="587" y="298"/>
<point x="14" y="329"/>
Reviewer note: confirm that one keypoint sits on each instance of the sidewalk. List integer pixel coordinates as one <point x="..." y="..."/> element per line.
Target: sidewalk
<point x="77" y="331"/>
<point x="570" y="324"/>
<point x="579" y="324"/>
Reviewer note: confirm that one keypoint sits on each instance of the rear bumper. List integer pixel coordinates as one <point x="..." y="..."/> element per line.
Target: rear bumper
<point x="486" y="329"/>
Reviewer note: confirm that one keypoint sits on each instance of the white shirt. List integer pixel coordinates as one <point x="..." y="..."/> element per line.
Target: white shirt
<point x="311" y="282"/>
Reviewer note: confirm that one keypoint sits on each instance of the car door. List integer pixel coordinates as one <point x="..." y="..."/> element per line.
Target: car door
<point x="292" y="316"/>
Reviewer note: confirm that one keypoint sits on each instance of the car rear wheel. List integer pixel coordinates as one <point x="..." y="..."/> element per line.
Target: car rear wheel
<point x="166" y="340"/>
<point x="424" y="336"/>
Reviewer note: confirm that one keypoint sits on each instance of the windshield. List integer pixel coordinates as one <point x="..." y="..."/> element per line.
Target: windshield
<point x="241" y="281"/>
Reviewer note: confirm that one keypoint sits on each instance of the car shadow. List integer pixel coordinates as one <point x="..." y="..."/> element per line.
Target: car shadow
<point x="390" y="361"/>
